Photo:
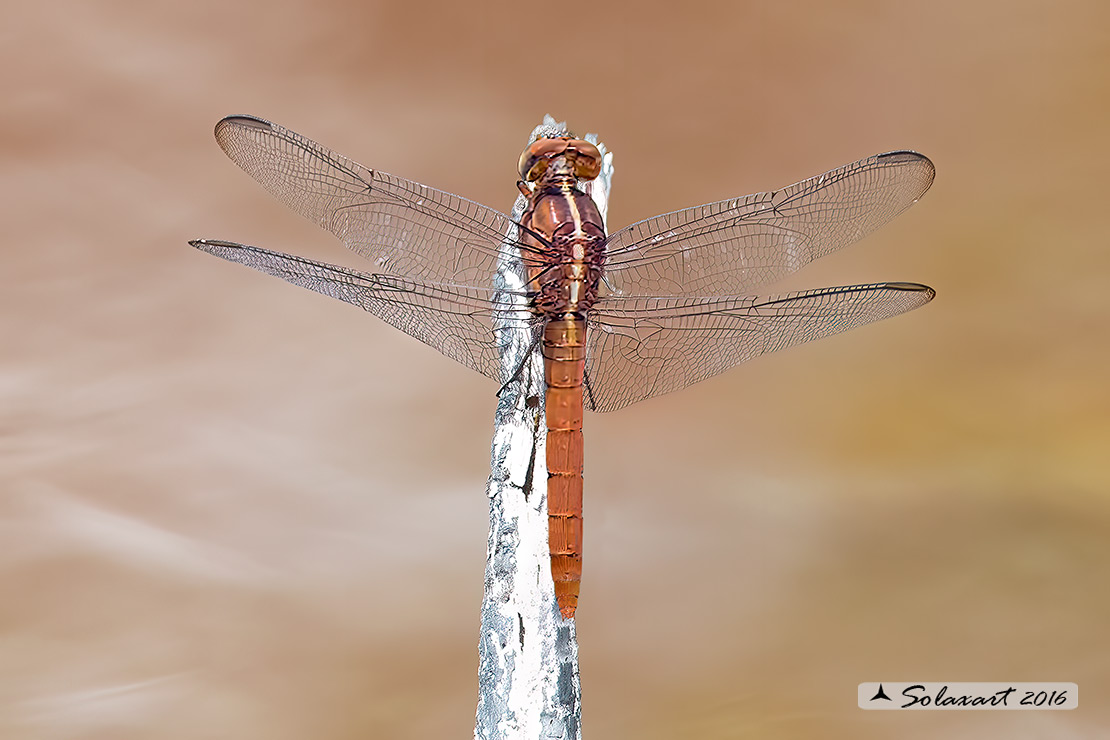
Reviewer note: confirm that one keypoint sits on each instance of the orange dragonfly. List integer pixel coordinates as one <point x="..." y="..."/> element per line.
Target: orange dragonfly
<point x="652" y="308"/>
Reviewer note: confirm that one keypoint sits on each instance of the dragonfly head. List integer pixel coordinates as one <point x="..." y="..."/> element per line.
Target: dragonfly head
<point x="581" y="157"/>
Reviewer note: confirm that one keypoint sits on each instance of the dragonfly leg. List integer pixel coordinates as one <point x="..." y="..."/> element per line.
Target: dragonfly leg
<point x="523" y="363"/>
<point x="589" y="390"/>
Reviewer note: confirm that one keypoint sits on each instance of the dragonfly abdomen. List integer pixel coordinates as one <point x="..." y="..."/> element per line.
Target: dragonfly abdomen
<point x="564" y="359"/>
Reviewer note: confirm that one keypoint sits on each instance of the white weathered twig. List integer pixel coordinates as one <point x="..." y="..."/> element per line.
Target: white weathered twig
<point x="528" y="683"/>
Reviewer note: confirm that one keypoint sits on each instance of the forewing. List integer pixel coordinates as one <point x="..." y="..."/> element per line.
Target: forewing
<point x="729" y="247"/>
<point x="456" y="320"/>
<point x="641" y="347"/>
<point x="404" y="228"/>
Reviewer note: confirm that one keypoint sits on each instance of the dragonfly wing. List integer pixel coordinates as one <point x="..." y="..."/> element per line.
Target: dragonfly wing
<point x="729" y="247"/>
<point x="454" y="319"/>
<point x="401" y="226"/>
<point x="638" y="347"/>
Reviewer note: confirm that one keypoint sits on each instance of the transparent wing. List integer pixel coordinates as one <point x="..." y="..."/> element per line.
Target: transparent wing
<point x="457" y="320"/>
<point x="640" y="347"/>
<point x="404" y="228"/>
<point x="729" y="247"/>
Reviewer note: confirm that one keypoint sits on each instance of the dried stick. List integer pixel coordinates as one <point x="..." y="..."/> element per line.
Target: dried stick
<point x="528" y="682"/>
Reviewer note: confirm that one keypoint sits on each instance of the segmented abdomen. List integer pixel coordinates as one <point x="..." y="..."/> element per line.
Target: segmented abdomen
<point x="564" y="353"/>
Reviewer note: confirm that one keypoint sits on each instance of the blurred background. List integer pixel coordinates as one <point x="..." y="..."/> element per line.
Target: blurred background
<point x="232" y="508"/>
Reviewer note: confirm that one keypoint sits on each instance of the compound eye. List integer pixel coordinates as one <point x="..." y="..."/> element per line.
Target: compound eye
<point x="534" y="159"/>
<point x="587" y="159"/>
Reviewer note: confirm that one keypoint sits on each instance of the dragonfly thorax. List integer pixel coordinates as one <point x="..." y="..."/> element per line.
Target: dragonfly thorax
<point x="565" y="238"/>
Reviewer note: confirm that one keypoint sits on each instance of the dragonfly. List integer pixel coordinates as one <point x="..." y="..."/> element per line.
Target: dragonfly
<point x="647" y="310"/>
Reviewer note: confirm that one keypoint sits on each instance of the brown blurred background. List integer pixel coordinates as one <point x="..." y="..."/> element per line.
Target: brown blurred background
<point x="231" y="508"/>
